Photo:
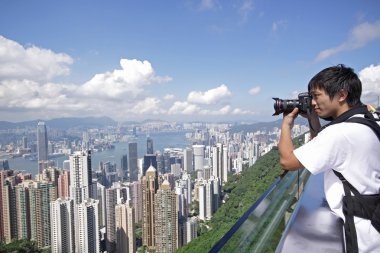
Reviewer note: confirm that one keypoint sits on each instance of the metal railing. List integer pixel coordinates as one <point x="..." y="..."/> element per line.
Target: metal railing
<point x="255" y="230"/>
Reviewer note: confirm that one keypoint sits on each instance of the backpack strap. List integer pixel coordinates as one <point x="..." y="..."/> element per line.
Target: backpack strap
<point x="368" y="122"/>
<point x="359" y="205"/>
<point x="349" y="225"/>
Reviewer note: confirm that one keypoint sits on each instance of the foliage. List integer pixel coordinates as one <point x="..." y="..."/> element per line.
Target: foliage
<point x="243" y="190"/>
<point x="21" y="246"/>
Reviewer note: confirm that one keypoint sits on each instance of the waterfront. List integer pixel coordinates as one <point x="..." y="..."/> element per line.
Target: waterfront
<point x="160" y="141"/>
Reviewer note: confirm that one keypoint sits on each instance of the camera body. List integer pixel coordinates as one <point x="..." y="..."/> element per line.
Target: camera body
<point x="303" y="103"/>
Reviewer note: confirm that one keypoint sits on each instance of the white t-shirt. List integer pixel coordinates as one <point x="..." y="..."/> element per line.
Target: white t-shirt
<point x="353" y="150"/>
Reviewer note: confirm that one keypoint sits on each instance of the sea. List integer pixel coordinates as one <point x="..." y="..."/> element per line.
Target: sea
<point x="160" y="142"/>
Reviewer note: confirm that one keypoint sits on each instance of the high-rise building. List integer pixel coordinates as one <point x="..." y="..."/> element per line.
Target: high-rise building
<point x="149" y="185"/>
<point x="149" y="145"/>
<point x="24" y="142"/>
<point x="226" y="164"/>
<point x="191" y="229"/>
<point x="87" y="237"/>
<point x="132" y="161"/>
<point x="149" y="160"/>
<point x="101" y="196"/>
<point x="217" y="161"/>
<point x="182" y="212"/>
<point x="160" y="163"/>
<point x="41" y="193"/>
<point x="3" y="175"/>
<point x="62" y="226"/>
<point x="9" y="211"/>
<point x="42" y="142"/>
<point x="80" y="176"/>
<point x="23" y="210"/>
<point x="199" y="155"/>
<point x="64" y="184"/>
<point x="125" y="228"/>
<point x="206" y="199"/>
<point x="136" y="199"/>
<point x="124" y="167"/>
<point x="4" y="165"/>
<point x="188" y="160"/>
<point x="110" y="174"/>
<point x="111" y="202"/>
<point x="166" y="219"/>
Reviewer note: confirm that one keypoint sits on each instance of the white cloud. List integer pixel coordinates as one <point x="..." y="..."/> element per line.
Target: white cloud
<point x="169" y="97"/>
<point x="183" y="108"/>
<point x="211" y="96"/>
<point x="238" y="111"/>
<point x="279" y="25"/>
<point x="255" y="90"/>
<point x="370" y="77"/>
<point x="209" y="5"/>
<point x="245" y="9"/>
<point x="32" y="63"/>
<point x="120" y="93"/>
<point x="149" y="105"/>
<point x="359" y="37"/>
<point x="222" y="111"/>
<point x="130" y="80"/>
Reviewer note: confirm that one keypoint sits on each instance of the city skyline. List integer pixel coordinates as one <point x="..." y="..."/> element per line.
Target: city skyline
<point x="177" y="60"/>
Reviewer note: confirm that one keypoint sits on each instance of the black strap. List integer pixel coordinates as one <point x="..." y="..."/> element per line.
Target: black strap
<point x="361" y="109"/>
<point x="349" y="225"/>
<point x="368" y="122"/>
<point x="362" y="206"/>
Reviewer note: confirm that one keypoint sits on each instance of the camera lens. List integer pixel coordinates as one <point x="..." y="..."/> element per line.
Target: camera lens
<point x="284" y="105"/>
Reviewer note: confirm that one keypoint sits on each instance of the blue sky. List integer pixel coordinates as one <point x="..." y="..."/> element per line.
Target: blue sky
<point x="177" y="60"/>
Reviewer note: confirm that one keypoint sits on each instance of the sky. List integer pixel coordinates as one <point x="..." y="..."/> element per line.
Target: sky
<point x="177" y="60"/>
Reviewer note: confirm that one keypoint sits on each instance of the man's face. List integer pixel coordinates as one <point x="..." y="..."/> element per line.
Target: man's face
<point x="323" y="105"/>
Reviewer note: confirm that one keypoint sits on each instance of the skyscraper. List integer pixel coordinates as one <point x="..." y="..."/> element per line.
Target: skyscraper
<point x="149" y="186"/>
<point x="9" y="211"/>
<point x="124" y="167"/>
<point x="111" y="202"/>
<point x="199" y="155"/>
<point x="136" y="199"/>
<point x="132" y="161"/>
<point x="42" y="142"/>
<point x="80" y="176"/>
<point x="40" y="196"/>
<point x="125" y="228"/>
<point x="188" y="160"/>
<point x="62" y="226"/>
<point x="87" y="236"/>
<point x="3" y="175"/>
<point x="24" y="142"/>
<point x="23" y="210"/>
<point x="64" y="185"/>
<point x="4" y="165"/>
<point x="166" y="219"/>
<point x="149" y="145"/>
<point x="149" y="160"/>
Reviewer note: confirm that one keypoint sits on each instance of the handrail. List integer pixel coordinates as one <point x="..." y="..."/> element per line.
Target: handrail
<point x="219" y="245"/>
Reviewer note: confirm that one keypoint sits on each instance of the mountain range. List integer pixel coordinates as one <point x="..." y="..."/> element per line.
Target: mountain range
<point x="101" y="122"/>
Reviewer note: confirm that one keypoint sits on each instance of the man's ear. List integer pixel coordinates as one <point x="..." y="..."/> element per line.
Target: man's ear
<point x="342" y="95"/>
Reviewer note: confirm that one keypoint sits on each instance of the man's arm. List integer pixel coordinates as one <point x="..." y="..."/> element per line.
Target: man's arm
<point x="288" y="160"/>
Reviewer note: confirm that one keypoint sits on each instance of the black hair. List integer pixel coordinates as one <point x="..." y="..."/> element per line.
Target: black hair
<point x="336" y="78"/>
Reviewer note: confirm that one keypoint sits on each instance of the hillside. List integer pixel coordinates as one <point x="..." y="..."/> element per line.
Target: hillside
<point x="243" y="191"/>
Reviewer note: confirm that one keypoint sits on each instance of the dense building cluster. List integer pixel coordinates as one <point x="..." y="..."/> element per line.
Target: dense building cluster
<point x="156" y="203"/>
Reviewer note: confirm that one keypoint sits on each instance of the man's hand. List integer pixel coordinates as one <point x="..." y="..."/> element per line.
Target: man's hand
<point x="289" y="118"/>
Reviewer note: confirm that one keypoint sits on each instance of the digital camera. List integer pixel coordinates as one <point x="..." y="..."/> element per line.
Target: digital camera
<point x="303" y="103"/>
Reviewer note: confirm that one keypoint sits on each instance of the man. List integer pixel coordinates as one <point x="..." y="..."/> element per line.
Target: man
<point x="350" y="148"/>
